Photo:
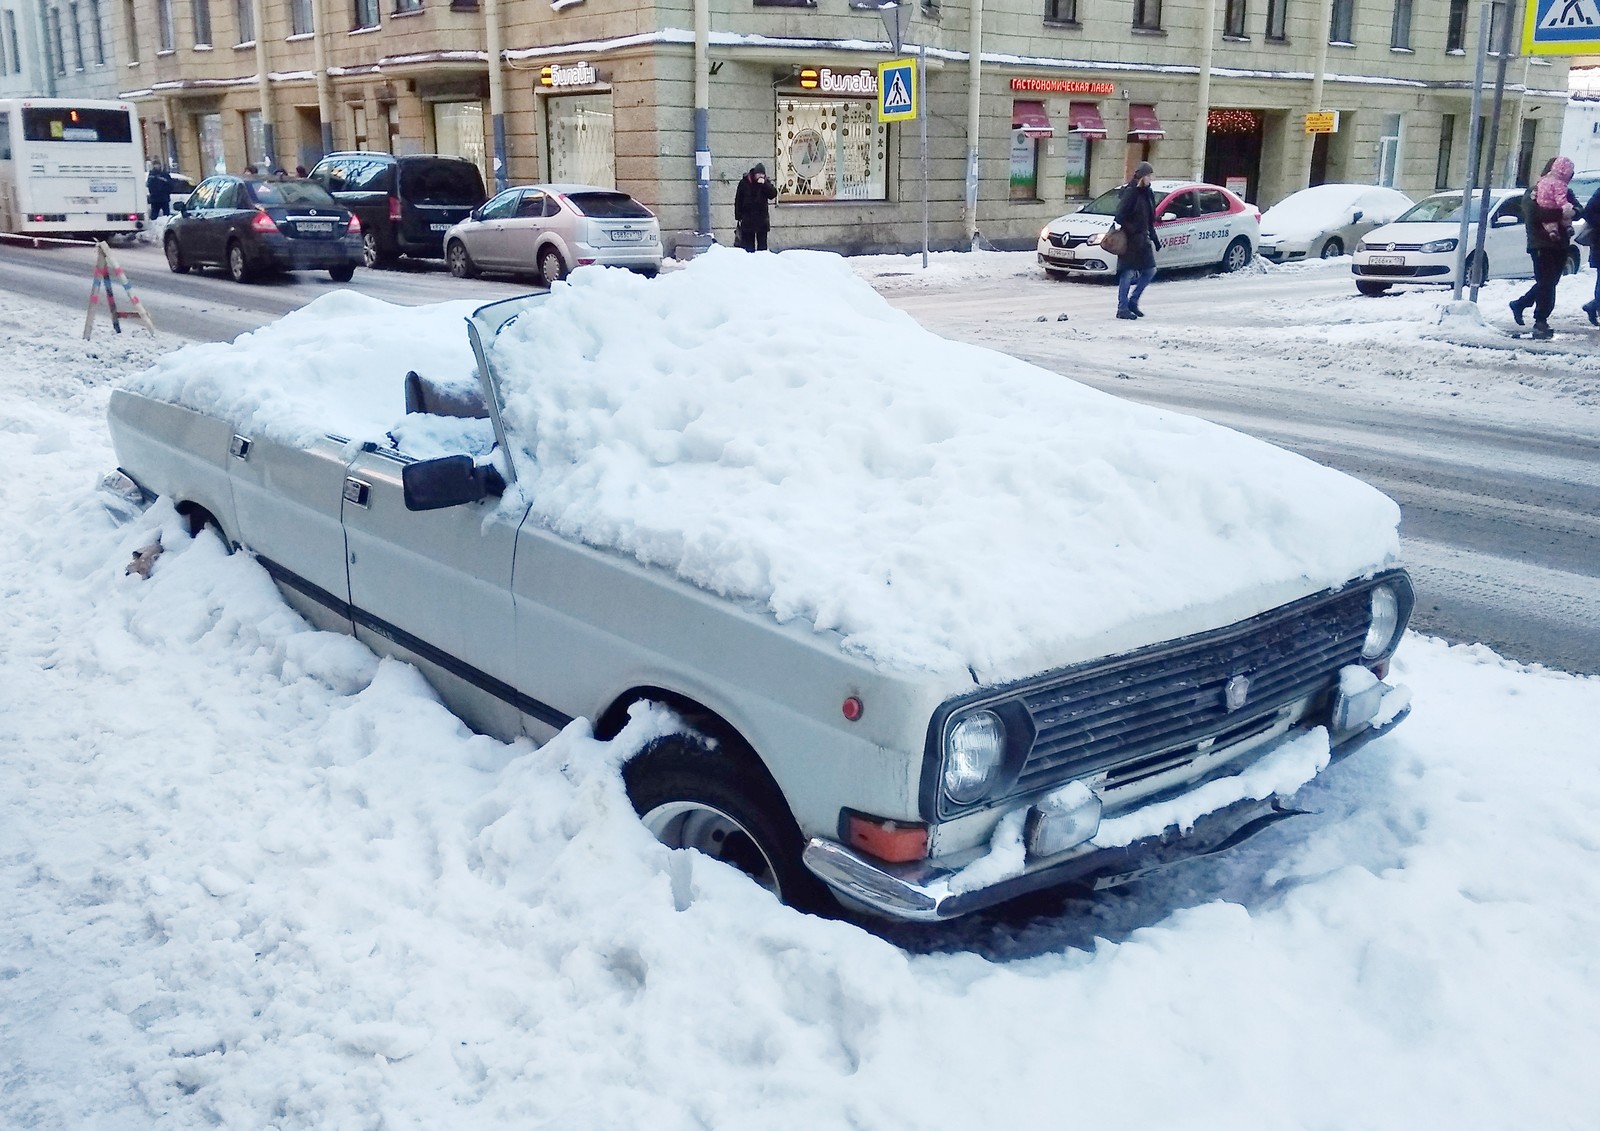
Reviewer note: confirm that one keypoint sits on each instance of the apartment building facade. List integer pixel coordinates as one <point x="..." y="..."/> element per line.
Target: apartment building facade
<point x="1070" y="94"/>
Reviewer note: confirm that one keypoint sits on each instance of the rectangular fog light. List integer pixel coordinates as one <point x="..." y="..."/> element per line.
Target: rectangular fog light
<point x="1062" y="819"/>
<point x="1352" y="710"/>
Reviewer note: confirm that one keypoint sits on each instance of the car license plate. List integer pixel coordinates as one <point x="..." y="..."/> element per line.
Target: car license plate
<point x="1387" y="260"/>
<point x="102" y="187"/>
<point x="627" y="235"/>
<point x="440" y="227"/>
<point x="315" y="227"/>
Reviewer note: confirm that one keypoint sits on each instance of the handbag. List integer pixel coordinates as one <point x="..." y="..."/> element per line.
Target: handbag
<point x="1115" y="241"/>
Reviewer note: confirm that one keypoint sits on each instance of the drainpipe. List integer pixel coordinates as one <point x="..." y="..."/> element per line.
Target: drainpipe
<point x="702" y="117"/>
<point x="1202" y="98"/>
<point x="1317" y="74"/>
<point x="269" y="140"/>
<point x="324" y="83"/>
<point x="974" y="119"/>
<point x="497" y="90"/>
<point x="49" y="59"/>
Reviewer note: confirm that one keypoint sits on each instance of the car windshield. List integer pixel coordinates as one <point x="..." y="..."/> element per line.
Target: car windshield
<point x="1441" y="208"/>
<point x="443" y="182"/>
<point x="280" y="193"/>
<point x="609" y="206"/>
<point x="1105" y="204"/>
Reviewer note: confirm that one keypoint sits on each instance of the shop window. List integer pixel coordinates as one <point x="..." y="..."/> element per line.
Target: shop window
<point x="300" y="18"/>
<point x="1455" y="38"/>
<point x="255" y="142"/>
<point x="458" y="131"/>
<point x="582" y="139"/>
<point x="1389" y="151"/>
<point x="365" y="14"/>
<point x="1147" y="15"/>
<point x="1341" y="28"/>
<point x="244" y="12"/>
<point x="1447" y="139"/>
<point x="1400" y="30"/>
<point x="1233" y="19"/>
<point x="830" y="149"/>
<point x="1277" y="20"/>
<point x="1060" y="11"/>
<point x="164" y="21"/>
<point x="208" y="128"/>
<point x="1024" y="166"/>
<point x="202" y="23"/>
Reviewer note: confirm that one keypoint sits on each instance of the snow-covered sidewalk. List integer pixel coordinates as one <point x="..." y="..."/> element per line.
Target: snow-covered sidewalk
<point x="254" y="878"/>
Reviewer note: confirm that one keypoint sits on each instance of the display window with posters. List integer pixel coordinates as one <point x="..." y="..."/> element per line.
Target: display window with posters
<point x="829" y="143"/>
<point x="580" y="128"/>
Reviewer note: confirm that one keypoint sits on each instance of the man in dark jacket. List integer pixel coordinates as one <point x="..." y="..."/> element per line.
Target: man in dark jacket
<point x="1591" y="216"/>
<point x="158" y="185"/>
<point x="1136" y="216"/>
<point x="751" y="217"/>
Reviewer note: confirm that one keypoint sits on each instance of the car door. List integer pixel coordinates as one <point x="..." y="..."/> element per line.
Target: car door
<point x="525" y="228"/>
<point x="195" y="238"/>
<point x="1177" y="219"/>
<point x="230" y="212"/>
<point x="1214" y="230"/>
<point x="1506" y="241"/>
<point x="485" y="237"/>
<point x="434" y="588"/>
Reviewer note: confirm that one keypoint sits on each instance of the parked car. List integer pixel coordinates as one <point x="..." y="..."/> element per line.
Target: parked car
<point x="601" y="519"/>
<point x="406" y="204"/>
<point x="250" y="226"/>
<point x="1325" y="221"/>
<point x="1198" y="224"/>
<point x="550" y="229"/>
<point x="1584" y="185"/>
<point x="1420" y="248"/>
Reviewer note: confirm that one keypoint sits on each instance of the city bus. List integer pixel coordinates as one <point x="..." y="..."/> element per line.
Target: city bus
<point x="70" y="167"/>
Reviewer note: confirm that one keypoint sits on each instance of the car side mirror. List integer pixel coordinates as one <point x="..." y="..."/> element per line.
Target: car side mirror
<point x="180" y="206"/>
<point x="1356" y="219"/>
<point x="448" y="481"/>
<point x="1504" y="221"/>
<point x="1167" y="216"/>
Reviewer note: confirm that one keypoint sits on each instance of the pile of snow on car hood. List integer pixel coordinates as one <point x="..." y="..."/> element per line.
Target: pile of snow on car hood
<point x="768" y="428"/>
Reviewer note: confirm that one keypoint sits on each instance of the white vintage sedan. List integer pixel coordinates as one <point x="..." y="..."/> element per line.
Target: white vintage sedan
<point x="919" y="626"/>
<point x="1198" y="224"/>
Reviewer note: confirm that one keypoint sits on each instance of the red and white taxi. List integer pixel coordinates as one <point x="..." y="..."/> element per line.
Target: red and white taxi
<point x="1198" y="224"/>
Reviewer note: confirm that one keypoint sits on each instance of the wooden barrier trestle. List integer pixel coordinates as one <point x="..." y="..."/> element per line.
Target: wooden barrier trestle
<point x="106" y="268"/>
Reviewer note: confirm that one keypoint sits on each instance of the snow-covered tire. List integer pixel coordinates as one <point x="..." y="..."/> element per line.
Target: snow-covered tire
<point x="1237" y="255"/>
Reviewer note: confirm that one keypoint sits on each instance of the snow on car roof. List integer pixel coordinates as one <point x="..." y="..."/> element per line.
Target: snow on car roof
<point x="768" y="428"/>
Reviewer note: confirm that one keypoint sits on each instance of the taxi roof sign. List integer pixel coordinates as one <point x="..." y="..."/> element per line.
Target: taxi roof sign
<point x="897" y="90"/>
<point x="1561" y="27"/>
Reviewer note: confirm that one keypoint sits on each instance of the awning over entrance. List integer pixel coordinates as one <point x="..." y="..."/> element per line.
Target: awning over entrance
<point x="1084" y="120"/>
<point x="1143" y="125"/>
<point x="1030" y="118"/>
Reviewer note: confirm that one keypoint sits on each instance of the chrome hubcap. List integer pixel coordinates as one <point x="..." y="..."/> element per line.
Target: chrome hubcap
<point x="707" y="829"/>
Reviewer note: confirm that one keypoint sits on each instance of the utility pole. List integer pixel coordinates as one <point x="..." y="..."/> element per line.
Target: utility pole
<point x="1202" y="98"/>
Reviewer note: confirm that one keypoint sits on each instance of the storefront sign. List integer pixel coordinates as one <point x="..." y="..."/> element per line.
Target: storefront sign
<point x="1322" y="122"/>
<point x="862" y="83"/>
<point x="575" y="74"/>
<point x="1063" y="86"/>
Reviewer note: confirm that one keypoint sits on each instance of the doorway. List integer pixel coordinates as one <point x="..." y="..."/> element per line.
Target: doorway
<point x="1233" y="150"/>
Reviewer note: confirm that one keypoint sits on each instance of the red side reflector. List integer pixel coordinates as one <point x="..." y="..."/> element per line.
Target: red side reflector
<point x="890" y="841"/>
<point x="261" y="222"/>
<point x="852" y="708"/>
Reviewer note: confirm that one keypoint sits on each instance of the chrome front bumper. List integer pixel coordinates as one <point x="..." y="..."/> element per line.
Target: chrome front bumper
<point x="922" y="891"/>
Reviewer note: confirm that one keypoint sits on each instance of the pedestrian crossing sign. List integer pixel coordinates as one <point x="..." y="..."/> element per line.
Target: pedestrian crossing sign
<point x="897" y="90"/>
<point x="1561" y="27"/>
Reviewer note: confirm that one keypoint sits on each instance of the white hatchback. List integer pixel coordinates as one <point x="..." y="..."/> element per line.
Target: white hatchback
<point x="550" y="229"/>
<point x="1197" y="223"/>
<point x="1420" y="248"/>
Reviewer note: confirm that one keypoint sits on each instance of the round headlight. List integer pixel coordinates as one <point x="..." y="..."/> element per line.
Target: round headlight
<point x="973" y="751"/>
<point x="1385" y="623"/>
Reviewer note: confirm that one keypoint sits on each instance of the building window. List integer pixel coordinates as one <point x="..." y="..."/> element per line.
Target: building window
<point x="582" y="139"/>
<point x="97" y="32"/>
<point x="1233" y="18"/>
<point x="1455" y="38"/>
<point x="458" y="131"/>
<point x="366" y="13"/>
<point x="130" y="21"/>
<point x="1389" y="151"/>
<point x="1497" y="18"/>
<point x="208" y="129"/>
<point x="11" y="42"/>
<point x="1147" y="15"/>
<point x="59" y="63"/>
<point x="202" y="23"/>
<point x="1400" y="30"/>
<point x="408" y="5"/>
<point x="1277" y="20"/>
<point x="1024" y="166"/>
<point x="245" y="12"/>
<point x="1060" y="11"/>
<point x="77" y="34"/>
<point x="1341" y="29"/>
<point x="1447" y="141"/>
<point x="1525" y="152"/>
<point x="300" y="21"/>
<point x="830" y="149"/>
<point x="164" y="22"/>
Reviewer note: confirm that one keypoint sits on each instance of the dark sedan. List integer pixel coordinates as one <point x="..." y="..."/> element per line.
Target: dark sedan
<point x="250" y="226"/>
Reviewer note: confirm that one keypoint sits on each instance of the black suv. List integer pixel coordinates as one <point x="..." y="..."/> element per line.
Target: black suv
<point x="406" y="204"/>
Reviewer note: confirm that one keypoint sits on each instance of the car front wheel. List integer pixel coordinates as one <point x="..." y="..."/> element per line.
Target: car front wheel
<point x="175" y="259"/>
<point x="551" y="268"/>
<point x="1237" y="255"/>
<point x="1371" y="289"/>
<point x="460" y="262"/>
<point x="238" y="266"/>
<point x="1333" y="248"/>
<point x="721" y="802"/>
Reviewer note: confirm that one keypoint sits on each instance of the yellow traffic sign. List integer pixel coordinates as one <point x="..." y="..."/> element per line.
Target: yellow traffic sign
<point x="897" y="90"/>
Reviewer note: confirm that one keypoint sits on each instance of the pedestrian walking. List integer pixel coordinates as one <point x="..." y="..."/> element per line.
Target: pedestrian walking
<point x="1136" y="265"/>
<point x="1547" y="210"/>
<point x="1591" y="216"/>
<point x="752" y="218"/>
<point x="158" y="187"/>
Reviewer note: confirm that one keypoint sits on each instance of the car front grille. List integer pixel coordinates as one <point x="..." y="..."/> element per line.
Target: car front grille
<point x="1383" y="248"/>
<point x="1059" y="239"/>
<point x="1401" y="272"/>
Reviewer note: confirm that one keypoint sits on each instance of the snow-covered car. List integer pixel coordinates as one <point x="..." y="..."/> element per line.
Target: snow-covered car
<point x="1198" y="224"/>
<point x="925" y="626"/>
<point x="1420" y="248"/>
<point x="1325" y="221"/>
<point x="550" y="229"/>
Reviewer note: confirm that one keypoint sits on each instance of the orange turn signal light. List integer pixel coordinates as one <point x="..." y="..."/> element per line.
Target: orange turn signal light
<point x="894" y="842"/>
